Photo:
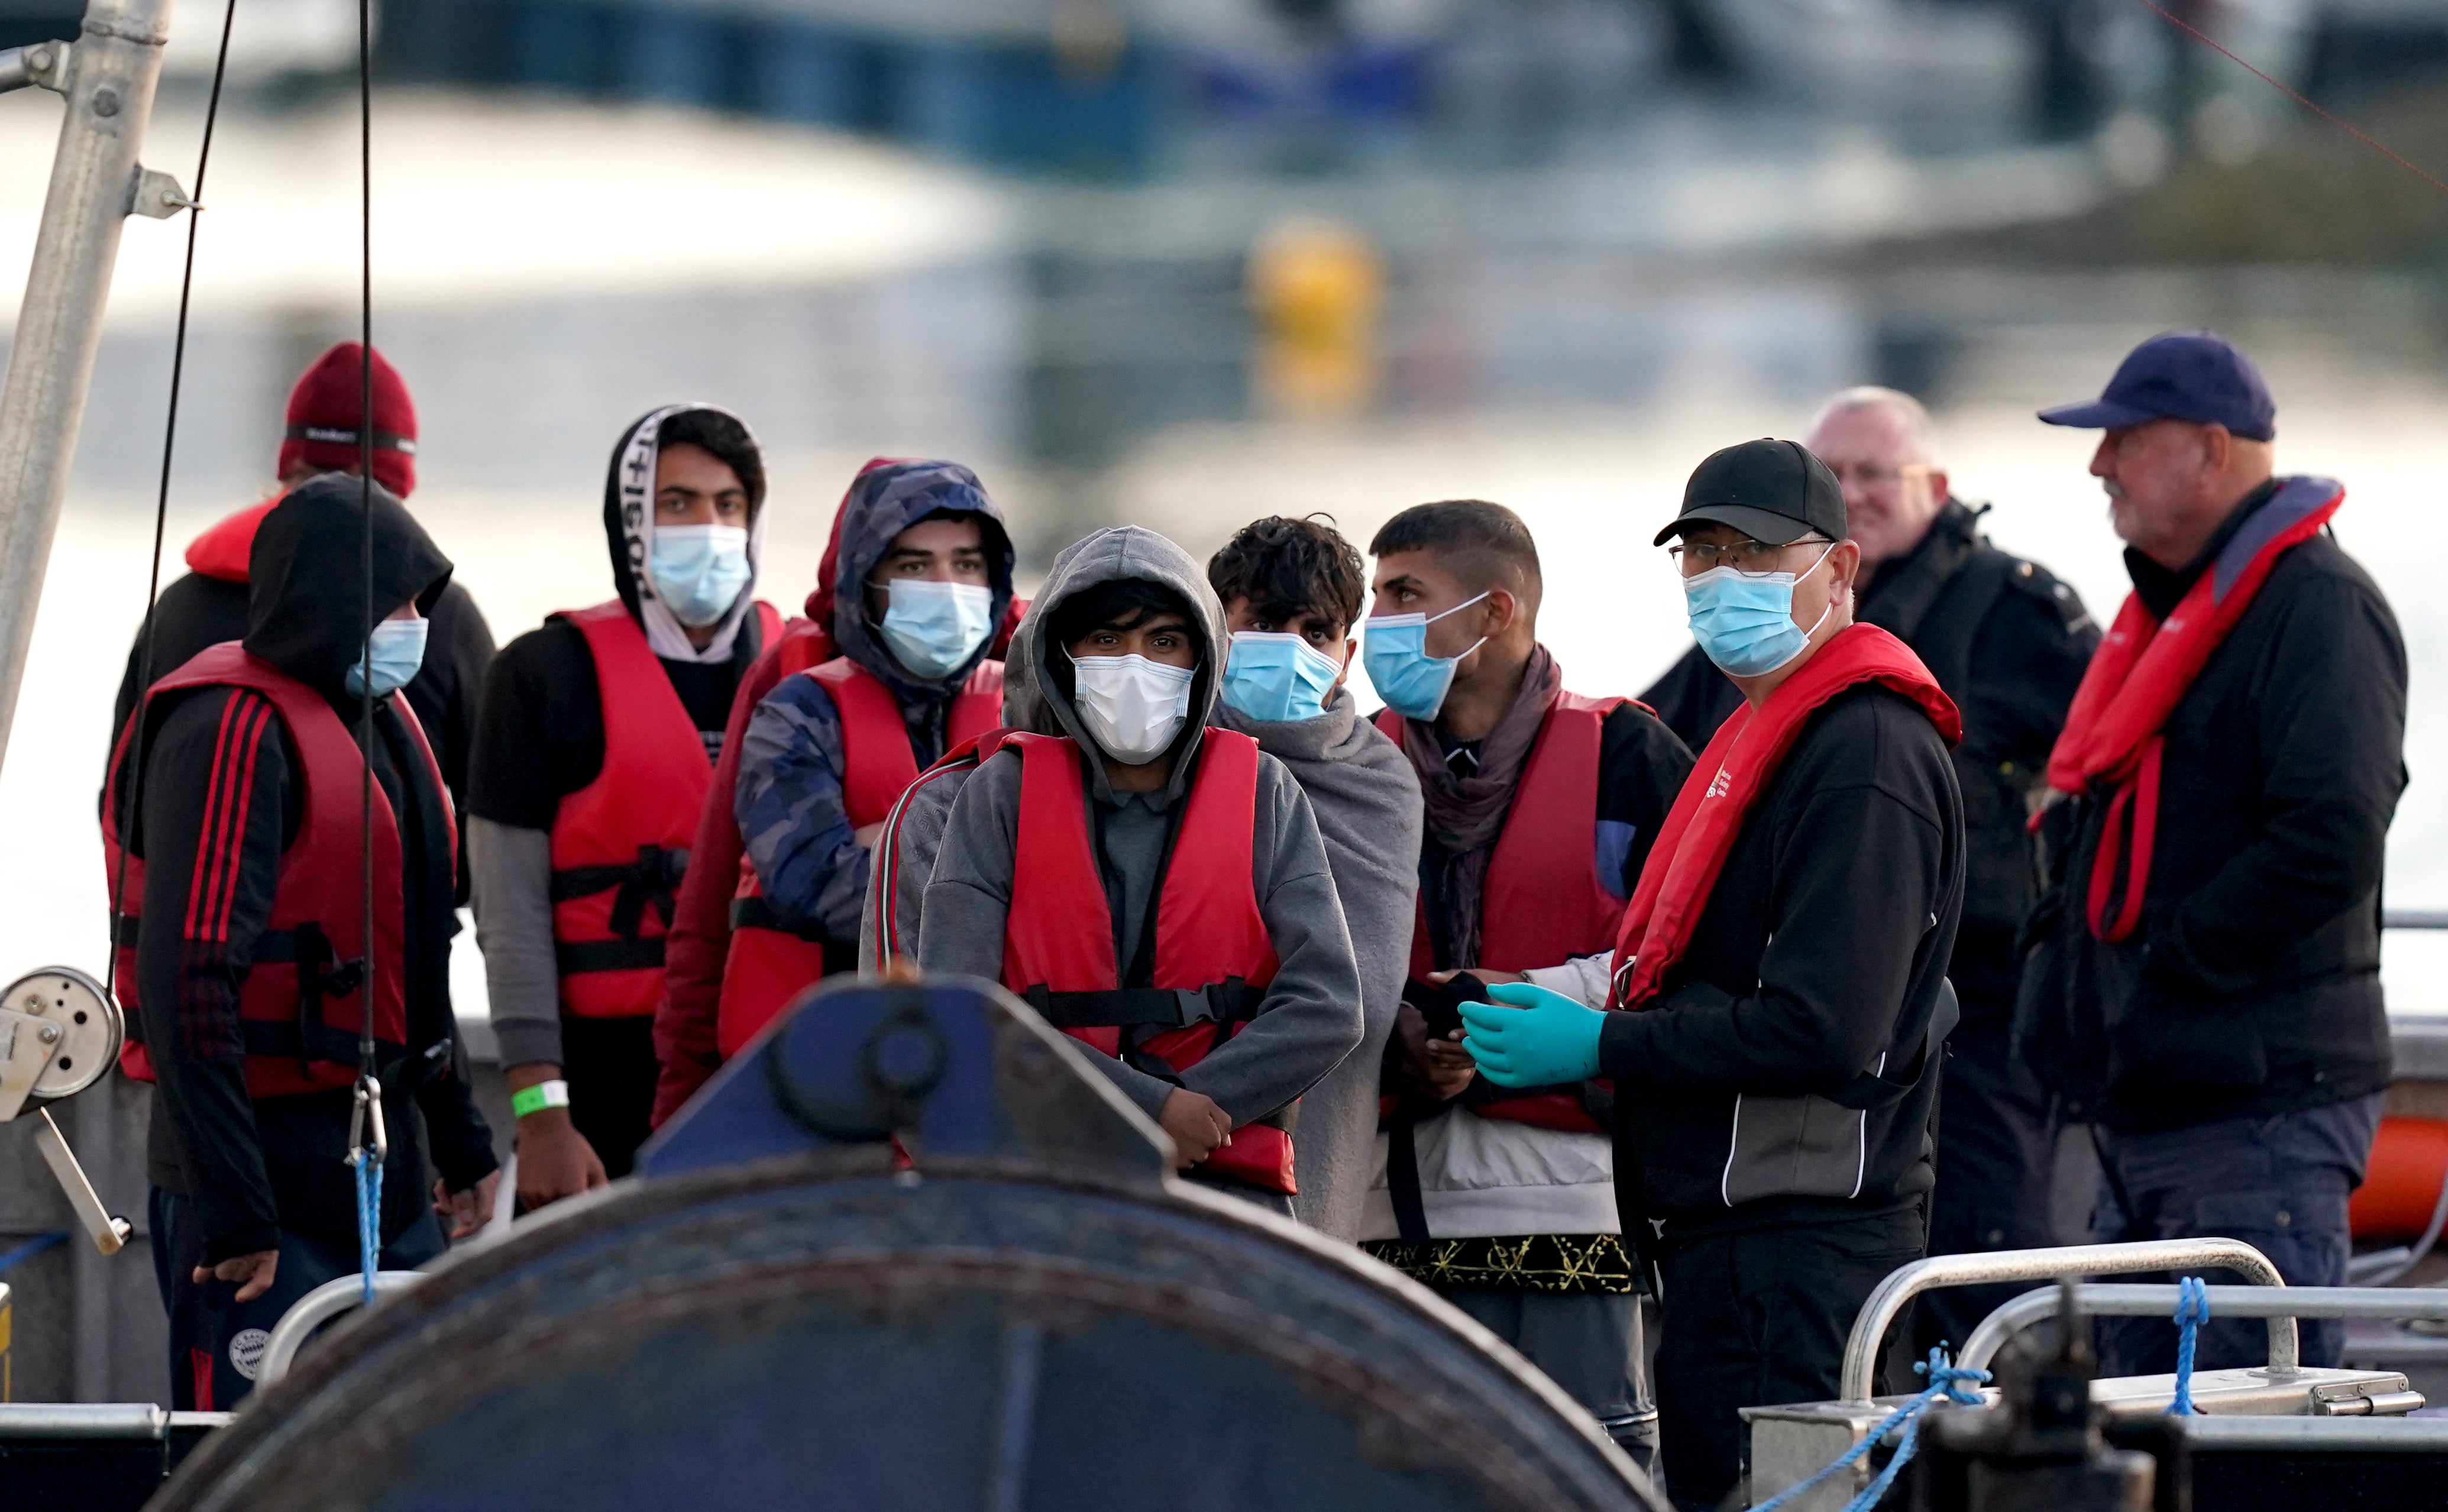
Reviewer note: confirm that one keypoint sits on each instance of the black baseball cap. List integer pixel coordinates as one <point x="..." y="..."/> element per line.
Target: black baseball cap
<point x="1774" y="492"/>
<point x="2195" y="375"/>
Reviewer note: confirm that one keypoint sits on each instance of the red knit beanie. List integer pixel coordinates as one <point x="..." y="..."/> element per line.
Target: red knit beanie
<point x="323" y="410"/>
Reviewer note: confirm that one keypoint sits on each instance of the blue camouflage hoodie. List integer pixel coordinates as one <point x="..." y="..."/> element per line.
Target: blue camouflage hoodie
<point x="789" y="800"/>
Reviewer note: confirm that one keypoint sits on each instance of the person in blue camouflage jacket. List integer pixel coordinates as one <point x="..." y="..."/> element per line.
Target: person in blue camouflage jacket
<point x="919" y="539"/>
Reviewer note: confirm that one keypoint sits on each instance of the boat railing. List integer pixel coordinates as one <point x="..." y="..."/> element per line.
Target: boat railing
<point x="1894" y="1294"/>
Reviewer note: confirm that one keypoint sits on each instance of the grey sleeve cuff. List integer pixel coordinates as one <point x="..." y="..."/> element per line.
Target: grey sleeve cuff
<point x="511" y="871"/>
<point x="1147" y="1091"/>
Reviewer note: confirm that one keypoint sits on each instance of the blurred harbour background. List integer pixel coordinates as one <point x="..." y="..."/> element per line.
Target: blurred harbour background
<point x="1185" y="262"/>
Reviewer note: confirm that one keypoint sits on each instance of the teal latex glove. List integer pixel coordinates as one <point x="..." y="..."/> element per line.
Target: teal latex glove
<point x="1537" y="1038"/>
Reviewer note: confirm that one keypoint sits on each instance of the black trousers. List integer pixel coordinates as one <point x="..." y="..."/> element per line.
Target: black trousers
<point x="611" y="1068"/>
<point x="1997" y="1164"/>
<point x="1754" y="1318"/>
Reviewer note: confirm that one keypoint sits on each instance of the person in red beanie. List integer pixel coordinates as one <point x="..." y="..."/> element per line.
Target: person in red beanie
<point x="208" y="605"/>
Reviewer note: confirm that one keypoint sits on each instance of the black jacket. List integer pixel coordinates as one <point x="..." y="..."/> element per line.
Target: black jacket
<point x="198" y="611"/>
<point x="2008" y="643"/>
<point x="1785" y="1072"/>
<point x="219" y="814"/>
<point x="2252" y="984"/>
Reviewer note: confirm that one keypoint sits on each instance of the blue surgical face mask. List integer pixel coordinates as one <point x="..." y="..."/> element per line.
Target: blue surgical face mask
<point x="1745" y="623"/>
<point x="394" y="653"/>
<point x="934" y="628"/>
<point x="1278" y="677"/>
<point x="699" y="570"/>
<point x="1395" y="651"/>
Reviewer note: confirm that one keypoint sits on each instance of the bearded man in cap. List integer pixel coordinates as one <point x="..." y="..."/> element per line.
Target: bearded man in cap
<point x="208" y="605"/>
<point x="1786" y="950"/>
<point x="2205" y="986"/>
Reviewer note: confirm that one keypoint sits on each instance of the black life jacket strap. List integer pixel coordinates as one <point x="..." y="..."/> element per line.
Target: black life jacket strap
<point x="1229" y="1004"/>
<point x="319" y="976"/>
<point x="760" y="913"/>
<point x="607" y="955"/>
<point x="652" y="880"/>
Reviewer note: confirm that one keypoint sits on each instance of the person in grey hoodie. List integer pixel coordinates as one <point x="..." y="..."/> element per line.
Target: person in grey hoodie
<point x="1126" y="641"/>
<point x="1293" y="592"/>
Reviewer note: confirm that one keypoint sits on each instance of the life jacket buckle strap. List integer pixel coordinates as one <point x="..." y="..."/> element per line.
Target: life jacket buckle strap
<point x="652" y="879"/>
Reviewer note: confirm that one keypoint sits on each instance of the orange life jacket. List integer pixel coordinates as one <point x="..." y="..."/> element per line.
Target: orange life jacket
<point x="1211" y="940"/>
<point x="302" y="1001"/>
<point x="770" y="961"/>
<point x="620" y="843"/>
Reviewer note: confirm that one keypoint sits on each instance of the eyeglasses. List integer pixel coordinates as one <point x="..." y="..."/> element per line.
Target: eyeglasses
<point x="1752" y="559"/>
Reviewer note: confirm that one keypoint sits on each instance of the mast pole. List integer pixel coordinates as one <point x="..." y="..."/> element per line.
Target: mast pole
<point x="108" y="78"/>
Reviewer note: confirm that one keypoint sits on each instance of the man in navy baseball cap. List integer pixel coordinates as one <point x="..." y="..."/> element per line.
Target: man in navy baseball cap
<point x="2189" y="425"/>
<point x="2201" y="982"/>
<point x="2196" y="376"/>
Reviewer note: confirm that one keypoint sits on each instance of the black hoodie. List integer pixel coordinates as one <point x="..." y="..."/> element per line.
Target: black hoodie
<point x="218" y="816"/>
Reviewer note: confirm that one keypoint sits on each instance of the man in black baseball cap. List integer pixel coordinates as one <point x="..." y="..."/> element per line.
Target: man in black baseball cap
<point x="1773" y="491"/>
<point x="2204" y="985"/>
<point x="1789" y="937"/>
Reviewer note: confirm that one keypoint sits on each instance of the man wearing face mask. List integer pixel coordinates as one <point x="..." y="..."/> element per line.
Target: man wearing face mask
<point x="1155" y="888"/>
<point x="593" y="755"/>
<point x="1291" y="592"/>
<point x="243" y="962"/>
<point x="2008" y="643"/>
<point x="831" y="749"/>
<point x="1786" y="949"/>
<point x="1541" y="804"/>
<point x="2204" y="986"/>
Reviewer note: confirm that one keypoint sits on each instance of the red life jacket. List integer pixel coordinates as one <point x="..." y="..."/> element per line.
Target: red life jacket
<point x="301" y="1002"/>
<point x="620" y="843"/>
<point x="1544" y="902"/>
<point x="1700" y="830"/>
<point x="1058" y="943"/>
<point x="2141" y="672"/>
<point x="770" y="962"/>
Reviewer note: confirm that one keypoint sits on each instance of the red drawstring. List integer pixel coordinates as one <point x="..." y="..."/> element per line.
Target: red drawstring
<point x="2140" y="795"/>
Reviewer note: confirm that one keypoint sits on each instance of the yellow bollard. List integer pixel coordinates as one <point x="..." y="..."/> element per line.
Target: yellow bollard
<point x="1316" y="288"/>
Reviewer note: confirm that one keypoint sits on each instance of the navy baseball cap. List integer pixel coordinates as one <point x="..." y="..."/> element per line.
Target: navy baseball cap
<point x="2196" y="376"/>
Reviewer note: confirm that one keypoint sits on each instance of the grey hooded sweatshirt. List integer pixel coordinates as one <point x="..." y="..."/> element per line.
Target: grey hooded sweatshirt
<point x="1367" y="803"/>
<point x="1310" y="1018"/>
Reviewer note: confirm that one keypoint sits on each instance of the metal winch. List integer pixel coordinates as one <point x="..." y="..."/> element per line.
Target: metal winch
<point x="60" y="1033"/>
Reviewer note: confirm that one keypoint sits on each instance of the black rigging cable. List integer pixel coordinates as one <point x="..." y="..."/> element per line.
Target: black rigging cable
<point x="367" y="1146"/>
<point x="366" y="507"/>
<point x="127" y="817"/>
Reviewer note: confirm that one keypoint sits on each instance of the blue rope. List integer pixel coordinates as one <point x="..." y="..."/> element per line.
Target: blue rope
<point x="32" y="1246"/>
<point x="368" y="1219"/>
<point x="2192" y="1311"/>
<point x="1944" y="1381"/>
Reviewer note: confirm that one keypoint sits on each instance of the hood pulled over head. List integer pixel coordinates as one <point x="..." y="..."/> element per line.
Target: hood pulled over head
<point x="306" y="607"/>
<point x="629" y="522"/>
<point x="887" y="497"/>
<point x="1108" y="556"/>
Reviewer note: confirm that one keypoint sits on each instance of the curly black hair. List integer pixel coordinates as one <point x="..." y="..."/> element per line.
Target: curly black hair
<point x="1289" y="567"/>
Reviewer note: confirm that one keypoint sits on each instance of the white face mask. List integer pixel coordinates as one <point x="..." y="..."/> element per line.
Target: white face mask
<point x="1132" y="705"/>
